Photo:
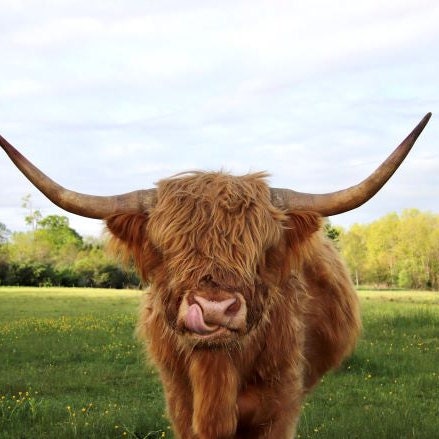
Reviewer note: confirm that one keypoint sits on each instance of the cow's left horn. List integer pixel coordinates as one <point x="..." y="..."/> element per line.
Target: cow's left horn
<point x="342" y="201"/>
<point x="90" y="206"/>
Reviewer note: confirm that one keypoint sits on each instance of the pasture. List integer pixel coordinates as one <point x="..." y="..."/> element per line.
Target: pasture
<point x="70" y="367"/>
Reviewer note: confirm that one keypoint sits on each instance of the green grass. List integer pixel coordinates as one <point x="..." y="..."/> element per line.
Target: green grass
<point x="70" y="368"/>
<point x="389" y="388"/>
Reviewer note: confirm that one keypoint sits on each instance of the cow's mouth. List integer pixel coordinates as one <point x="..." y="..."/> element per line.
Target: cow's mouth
<point x="195" y="322"/>
<point x="220" y="336"/>
<point x="202" y="330"/>
<point x="204" y="319"/>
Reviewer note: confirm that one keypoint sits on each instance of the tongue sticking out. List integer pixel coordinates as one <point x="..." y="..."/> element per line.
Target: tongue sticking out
<point x="194" y="321"/>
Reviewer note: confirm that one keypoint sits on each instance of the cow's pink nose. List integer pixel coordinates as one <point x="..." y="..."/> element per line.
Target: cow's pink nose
<point x="216" y="312"/>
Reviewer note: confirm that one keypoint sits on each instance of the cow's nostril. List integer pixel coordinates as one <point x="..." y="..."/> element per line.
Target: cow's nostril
<point x="233" y="308"/>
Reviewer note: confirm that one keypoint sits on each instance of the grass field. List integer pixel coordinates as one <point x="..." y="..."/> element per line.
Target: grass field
<point x="71" y="368"/>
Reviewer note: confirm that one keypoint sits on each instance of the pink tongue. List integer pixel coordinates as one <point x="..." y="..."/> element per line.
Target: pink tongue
<point x="195" y="322"/>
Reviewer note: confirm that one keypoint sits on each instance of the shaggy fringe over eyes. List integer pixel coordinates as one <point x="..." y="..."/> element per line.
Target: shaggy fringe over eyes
<point x="214" y="223"/>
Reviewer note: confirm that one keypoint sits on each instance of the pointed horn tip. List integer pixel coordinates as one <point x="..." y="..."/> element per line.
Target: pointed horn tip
<point x="419" y="127"/>
<point x="425" y="119"/>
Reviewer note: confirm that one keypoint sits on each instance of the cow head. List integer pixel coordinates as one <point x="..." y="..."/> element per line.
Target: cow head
<point x="214" y="249"/>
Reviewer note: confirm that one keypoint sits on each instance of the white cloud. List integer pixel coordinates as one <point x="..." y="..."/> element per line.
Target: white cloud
<point x="16" y="88"/>
<point x="57" y="32"/>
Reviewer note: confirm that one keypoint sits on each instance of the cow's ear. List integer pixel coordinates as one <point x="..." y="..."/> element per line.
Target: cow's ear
<point x="129" y="241"/>
<point x="298" y="227"/>
<point x="301" y="225"/>
<point x="130" y="228"/>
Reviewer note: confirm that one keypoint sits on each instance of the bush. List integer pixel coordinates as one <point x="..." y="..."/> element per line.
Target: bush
<point x="31" y="273"/>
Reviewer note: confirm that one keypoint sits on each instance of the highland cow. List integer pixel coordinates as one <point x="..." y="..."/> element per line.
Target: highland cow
<point x="249" y="304"/>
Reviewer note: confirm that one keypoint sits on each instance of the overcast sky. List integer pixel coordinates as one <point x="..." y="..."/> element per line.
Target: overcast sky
<point x="110" y="96"/>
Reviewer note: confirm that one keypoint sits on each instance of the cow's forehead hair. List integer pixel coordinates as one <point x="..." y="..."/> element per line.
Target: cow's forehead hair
<point x="200" y="183"/>
<point x="213" y="221"/>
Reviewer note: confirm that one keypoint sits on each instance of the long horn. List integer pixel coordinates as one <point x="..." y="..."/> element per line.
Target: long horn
<point x="90" y="206"/>
<point x="334" y="203"/>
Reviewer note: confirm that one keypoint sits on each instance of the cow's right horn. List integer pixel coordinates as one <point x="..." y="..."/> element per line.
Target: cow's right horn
<point x="344" y="200"/>
<point x="90" y="206"/>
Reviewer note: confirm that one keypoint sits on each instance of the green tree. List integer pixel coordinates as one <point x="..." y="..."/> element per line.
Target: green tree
<point x="53" y="253"/>
<point x="57" y="231"/>
<point x="334" y="233"/>
<point x="418" y="249"/>
<point x="354" y="250"/>
<point x="40" y="256"/>
<point x="382" y="239"/>
<point x="94" y="268"/>
<point x="395" y="250"/>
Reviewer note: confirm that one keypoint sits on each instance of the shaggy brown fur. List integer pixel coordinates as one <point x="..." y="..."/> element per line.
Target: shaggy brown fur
<point x="217" y="239"/>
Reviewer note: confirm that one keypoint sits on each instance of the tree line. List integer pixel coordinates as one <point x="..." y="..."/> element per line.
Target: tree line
<point x="54" y="254"/>
<point x="395" y="251"/>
